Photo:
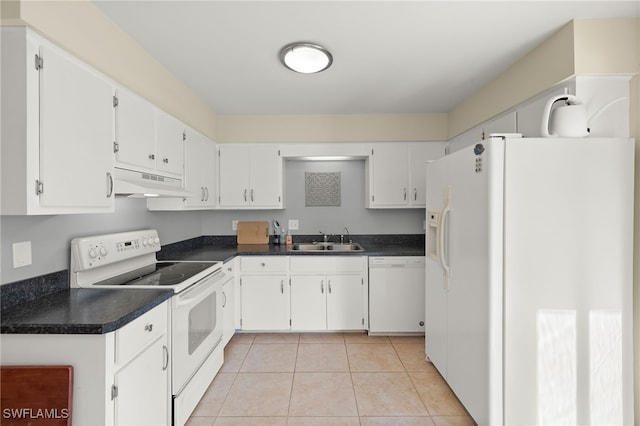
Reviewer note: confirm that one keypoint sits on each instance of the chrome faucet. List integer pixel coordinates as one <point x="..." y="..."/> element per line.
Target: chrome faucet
<point x="325" y="237"/>
<point x="348" y="235"/>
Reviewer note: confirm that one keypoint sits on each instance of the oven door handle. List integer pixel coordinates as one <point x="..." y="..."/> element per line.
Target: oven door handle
<point x="198" y="290"/>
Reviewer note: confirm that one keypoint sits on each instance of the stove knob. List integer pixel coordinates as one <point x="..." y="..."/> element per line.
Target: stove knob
<point x="144" y="242"/>
<point x="93" y="253"/>
<point x="156" y="240"/>
<point x="103" y="251"/>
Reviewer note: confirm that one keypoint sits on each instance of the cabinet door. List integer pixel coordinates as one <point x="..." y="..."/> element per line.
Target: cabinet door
<point x="170" y="138"/>
<point x="419" y="154"/>
<point x="143" y="388"/>
<point x="76" y="134"/>
<point x="228" y="310"/>
<point x="200" y="170"/>
<point x="389" y="177"/>
<point x="265" y="302"/>
<point x="344" y="302"/>
<point x="266" y="176"/>
<point x="233" y="175"/>
<point x="135" y="123"/>
<point x="308" y="302"/>
<point x="503" y="124"/>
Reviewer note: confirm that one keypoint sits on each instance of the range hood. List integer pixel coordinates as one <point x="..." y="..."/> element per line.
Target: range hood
<point x="132" y="183"/>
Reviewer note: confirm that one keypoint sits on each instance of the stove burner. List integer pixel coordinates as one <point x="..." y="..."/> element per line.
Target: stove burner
<point x="158" y="274"/>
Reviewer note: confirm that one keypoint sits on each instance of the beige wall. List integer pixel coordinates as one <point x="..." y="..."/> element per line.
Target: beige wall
<point x="635" y="132"/>
<point x="545" y="66"/>
<point x="332" y="128"/>
<point x="81" y="28"/>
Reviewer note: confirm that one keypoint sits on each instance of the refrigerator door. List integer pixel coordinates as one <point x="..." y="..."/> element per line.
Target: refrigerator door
<point x="435" y="289"/>
<point x="568" y="281"/>
<point x="464" y="312"/>
<point x="473" y="325"/>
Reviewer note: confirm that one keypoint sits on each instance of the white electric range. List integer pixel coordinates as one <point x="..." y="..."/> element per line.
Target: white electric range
<point x="127" y="260"/>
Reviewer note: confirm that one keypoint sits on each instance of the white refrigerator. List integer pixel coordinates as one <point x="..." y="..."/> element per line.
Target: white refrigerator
<point x="529" y="279"/>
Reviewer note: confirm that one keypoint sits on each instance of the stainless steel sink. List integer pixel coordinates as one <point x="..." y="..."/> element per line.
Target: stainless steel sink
<point x="307" y="247"/>
<point x="326" y="247"/>
<point x="345" y="247"/>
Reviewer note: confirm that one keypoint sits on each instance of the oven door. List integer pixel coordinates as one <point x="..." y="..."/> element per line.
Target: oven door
<point x="196" y="327"/>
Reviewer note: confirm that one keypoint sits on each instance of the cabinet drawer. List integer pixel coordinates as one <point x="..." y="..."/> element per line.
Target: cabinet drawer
<point x="327" y="264"/>
<point x="133" y="337"/>
<point x="263" y="264"/>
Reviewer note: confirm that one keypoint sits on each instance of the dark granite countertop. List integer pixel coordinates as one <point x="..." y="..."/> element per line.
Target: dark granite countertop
<point x="80" y="311"/>
<point x="225" y="248"/>
<point x="46" y="304"/>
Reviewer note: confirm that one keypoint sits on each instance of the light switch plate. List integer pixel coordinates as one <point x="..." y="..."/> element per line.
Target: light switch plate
<point x="21" y="254"/>
<point x="234" y="225"/>
<point x="293" y="224"/>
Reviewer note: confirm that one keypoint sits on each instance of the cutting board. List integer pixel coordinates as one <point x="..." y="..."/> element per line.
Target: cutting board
<point x="36" y="395"/>
<point x="253" y="233"/>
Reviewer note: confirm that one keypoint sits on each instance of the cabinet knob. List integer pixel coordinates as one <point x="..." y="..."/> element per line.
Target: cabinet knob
<point x="165" y="160"/>
<point x="148" y="327"/>
<point x="152" y="157"/>
<point x="263" y="264"/>
<point x="421" y="323"/>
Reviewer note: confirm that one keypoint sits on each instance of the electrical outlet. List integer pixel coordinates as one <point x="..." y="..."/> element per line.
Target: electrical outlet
<point x="293" y="224"/>
<point x="21" y="254"/>
<point x="234" y="225"/>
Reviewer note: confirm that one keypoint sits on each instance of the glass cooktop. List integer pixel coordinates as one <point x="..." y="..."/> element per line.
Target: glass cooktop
<point x="158" y="274"/>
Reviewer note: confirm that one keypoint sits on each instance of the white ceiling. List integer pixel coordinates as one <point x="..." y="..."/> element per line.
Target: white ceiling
<point x="389" y="56"/>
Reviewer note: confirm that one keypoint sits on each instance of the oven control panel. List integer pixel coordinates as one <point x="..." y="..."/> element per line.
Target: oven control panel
<point x="99" y="250"/>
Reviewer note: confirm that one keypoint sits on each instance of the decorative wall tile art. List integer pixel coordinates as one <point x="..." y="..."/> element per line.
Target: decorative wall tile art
<point x="322" y="189"/>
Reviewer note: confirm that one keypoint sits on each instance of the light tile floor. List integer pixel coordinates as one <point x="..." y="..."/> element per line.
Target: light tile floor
<point x="327" y="379"/>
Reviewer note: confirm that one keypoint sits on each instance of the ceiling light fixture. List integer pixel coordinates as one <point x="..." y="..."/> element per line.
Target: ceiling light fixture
<point x="306" y="58"/>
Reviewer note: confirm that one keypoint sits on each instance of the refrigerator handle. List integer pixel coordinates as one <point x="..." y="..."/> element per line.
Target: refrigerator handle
<point x="441" y="237"/>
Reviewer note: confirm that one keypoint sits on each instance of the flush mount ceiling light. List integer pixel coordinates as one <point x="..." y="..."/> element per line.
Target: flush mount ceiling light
<point x="306" y="58"/>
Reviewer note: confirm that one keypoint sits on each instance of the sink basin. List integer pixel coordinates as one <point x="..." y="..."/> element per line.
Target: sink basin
<point x="308" y="247"/>
<point x="345" y="247"/>
<point x="326" y="247"/>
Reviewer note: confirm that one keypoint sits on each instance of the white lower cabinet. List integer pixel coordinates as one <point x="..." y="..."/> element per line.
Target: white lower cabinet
<point x="141" y="391"/>
<point x="328" y="293"/>
<point x="228" y="302"/>
<point x="119" y="378"/>
<point x="264" y="289"/>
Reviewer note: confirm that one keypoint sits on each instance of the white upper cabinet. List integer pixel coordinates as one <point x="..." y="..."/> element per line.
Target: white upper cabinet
<point x="57" y="134"/>
<point x="397" y="173"/>
<point x="419" y="154"/>
<point x="250" y="176"/>
<point x="170" y="139"/>
<point x="147" y="138"/>
<point x="199" y="176"/>
<point x="135" y="139"/>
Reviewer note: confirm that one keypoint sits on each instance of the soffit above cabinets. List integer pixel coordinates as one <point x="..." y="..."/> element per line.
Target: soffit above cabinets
<point x="391" y="57"/>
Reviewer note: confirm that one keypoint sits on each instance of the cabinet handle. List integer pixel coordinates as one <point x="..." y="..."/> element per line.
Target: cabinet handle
<point x="165" y="361"/>
<point x="329" y="286"/>
<point x="148" y="327"/>
<point x="415" y="194"/>
<point x="152" y="157"/>
<point x="405" y="193"/>
<point x="245" y="194"/>
<point x="322" y="286"/>
<point x="165" y="160"/>
<point x="110" y="185"/>
<point x="225" y="299"/>
<point x="252" y="195"/>
<point x="282" y="287"/>
<point x="202" y="193"/>
<point x="207" y="191"/>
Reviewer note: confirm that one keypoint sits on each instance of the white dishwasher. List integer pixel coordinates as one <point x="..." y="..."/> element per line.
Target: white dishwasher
<point x="396" y="294"/>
